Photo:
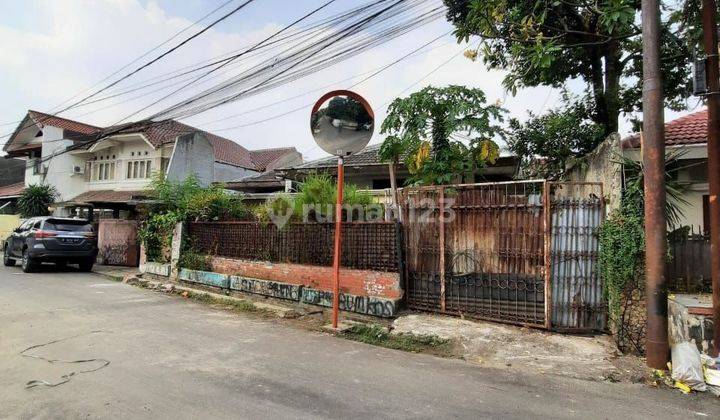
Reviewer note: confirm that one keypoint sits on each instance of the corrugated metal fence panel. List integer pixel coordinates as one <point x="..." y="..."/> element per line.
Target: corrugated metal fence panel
<point x="577" y="292"/>
<point x="502" y="248"/>
<point x="493" y="250"/>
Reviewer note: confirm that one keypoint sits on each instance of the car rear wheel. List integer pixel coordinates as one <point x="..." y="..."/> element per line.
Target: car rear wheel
<point x="28" y="264"/>
<point x="86" y="265"/>
<point x="7" y="261"/>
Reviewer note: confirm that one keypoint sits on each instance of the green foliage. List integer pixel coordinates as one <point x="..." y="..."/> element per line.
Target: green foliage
<point x="318" y="195"/>
<point x="421" y="128"/>
<point x="156" y="234"/>
<point x="622" y="235"/>
<point x="348" y="109"/>
<point x="193" y="261"/>
<point x="546" y="143"/>
<point x="35" y="199"/>
<point x="541" y="42"/>
<point x="193" y="202"/>
<point x="622" y="253"/>
<point x="634" y="185"/>
<point x="181" y="201"/>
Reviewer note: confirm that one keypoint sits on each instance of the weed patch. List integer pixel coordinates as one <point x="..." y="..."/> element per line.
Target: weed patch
<point x="379" y="336"/>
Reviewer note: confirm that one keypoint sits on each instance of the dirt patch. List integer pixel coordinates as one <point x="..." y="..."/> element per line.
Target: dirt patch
<point x="498" y="345"/>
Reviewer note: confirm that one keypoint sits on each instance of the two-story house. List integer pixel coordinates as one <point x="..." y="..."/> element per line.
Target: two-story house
<point x="114" y="172"/>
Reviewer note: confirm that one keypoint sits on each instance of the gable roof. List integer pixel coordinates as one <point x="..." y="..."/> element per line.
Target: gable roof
<point x="690" y="129"/>
<point x="42" y="119"/>
<point x="264" y="157"/>
<point x="158" y="134"/>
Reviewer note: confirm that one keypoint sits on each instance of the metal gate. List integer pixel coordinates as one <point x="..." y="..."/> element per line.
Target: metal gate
<point x="498" y="261"/>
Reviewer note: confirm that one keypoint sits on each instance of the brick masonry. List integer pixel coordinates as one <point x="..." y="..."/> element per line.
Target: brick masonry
<point x="375" y="284"/>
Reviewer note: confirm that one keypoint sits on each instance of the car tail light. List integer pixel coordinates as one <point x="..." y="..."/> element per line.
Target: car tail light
<point x="44" y="234"/>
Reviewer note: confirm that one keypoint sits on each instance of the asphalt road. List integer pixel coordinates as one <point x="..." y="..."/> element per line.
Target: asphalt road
<point x="172" y="358"/>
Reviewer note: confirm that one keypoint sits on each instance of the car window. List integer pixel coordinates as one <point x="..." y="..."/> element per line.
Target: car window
<point x="36" y="225"/>
<point x="25" y="224"/>
<point x="67" y="226"/>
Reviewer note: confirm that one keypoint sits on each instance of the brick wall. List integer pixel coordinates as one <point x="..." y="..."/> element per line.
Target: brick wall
<point x="355" y="282"/>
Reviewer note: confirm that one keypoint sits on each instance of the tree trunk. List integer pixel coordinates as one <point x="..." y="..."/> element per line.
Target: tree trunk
<point x="601" y="116"/>
<point x="393" y="189"/>
<point x="612" y="87"/>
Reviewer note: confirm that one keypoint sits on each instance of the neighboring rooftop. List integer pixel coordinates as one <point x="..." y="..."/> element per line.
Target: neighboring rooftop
<point x="12" y="190"/>
<point x="690" y="129"/>
<point x="370" y="157"/>
<point x="158" y="134"/>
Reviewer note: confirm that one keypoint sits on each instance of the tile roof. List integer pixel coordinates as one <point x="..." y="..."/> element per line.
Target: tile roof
<point x="42" y="119"/>
<point x="368" y="156"/>
<point x="690" y="129"/>
<point x="226" y="151"/>
<point x="109" y="196"/>
<point x="12" y="190"/>
<point x="265" y="178"/>
<point x="264" y="157"/>
<point x="158" y="134"/>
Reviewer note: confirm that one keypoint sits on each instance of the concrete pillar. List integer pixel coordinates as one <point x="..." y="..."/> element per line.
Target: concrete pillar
<point x="175" y="249"/>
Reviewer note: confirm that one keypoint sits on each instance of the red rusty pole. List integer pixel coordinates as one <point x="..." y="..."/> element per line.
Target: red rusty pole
<point x="656" y="346"/>
<point x="338" y="243"/>
<point x="710" y="41"/>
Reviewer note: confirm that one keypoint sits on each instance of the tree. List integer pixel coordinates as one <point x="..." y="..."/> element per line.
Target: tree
<point x="424" y="127"/>
<point x="36" y="198"/>
<point x="549" y="42"/>
<point x="546" y="143"/>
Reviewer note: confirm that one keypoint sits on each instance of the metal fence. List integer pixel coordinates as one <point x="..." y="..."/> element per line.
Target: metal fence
<point x="496" y="251"/>
<point x="365" y="245"/>
<point x="688" y="268"/>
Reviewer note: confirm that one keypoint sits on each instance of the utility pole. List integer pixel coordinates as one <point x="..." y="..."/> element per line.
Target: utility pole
<point x="656" y="344"/>
<point x="710" y="42"/>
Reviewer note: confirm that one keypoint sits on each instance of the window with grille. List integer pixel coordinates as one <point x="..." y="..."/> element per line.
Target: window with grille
<point x="138" y="169"/>
<point x="102" y="171"/>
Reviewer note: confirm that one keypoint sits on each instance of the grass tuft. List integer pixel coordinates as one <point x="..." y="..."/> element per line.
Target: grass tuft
<point x="378" y="336"/>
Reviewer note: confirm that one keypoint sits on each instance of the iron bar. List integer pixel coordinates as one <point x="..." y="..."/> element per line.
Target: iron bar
<point x="338" y="243"/>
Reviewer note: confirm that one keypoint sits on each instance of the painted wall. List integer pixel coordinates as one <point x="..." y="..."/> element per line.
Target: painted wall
<point x="123" y="151"/>
<point x="227" y="173"/>
<point x="600" y="166"/>
<point x="8" y="222"/>
<point x="356" y="282"/>
<point x="59" y="166"/>
<point x="193" y="154"/>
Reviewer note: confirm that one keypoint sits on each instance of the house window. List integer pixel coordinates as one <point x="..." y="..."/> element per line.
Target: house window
<point x="102" y="171"/>
<point x="36" y="165"/>
<point x="138" y="169"/>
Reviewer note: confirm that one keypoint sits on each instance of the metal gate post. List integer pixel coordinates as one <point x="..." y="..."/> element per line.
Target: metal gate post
<point x="441" y="226"/>
<point x="547" y="229"/>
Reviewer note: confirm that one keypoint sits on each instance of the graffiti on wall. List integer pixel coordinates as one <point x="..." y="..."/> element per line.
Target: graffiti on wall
<point x="266" y="288"/>
<point x="360" y="304"/>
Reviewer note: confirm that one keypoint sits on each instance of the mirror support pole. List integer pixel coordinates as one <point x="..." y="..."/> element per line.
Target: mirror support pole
<point x="338" y="243"/>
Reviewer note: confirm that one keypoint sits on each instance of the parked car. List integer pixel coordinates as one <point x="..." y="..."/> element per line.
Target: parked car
<point x="51" y="239"/>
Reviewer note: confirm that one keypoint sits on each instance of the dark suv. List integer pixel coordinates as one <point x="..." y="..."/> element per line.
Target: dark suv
<point x="51" y="239"/>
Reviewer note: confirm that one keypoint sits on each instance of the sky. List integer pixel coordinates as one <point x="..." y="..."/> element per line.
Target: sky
<point x="54" y="50"/>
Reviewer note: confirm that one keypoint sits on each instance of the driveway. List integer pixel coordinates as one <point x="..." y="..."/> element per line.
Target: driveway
<point x="173" y="358"/>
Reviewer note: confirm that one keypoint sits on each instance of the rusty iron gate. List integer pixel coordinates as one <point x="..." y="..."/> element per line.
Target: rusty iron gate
<point x="506" y="247"/>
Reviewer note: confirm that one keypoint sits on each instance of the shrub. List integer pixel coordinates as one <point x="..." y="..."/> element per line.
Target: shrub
<point x="36" y="198"/>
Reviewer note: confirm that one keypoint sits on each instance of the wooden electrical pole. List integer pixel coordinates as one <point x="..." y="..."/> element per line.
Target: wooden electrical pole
<point x="656" y="344"/>
<point x="710" y="42"/>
